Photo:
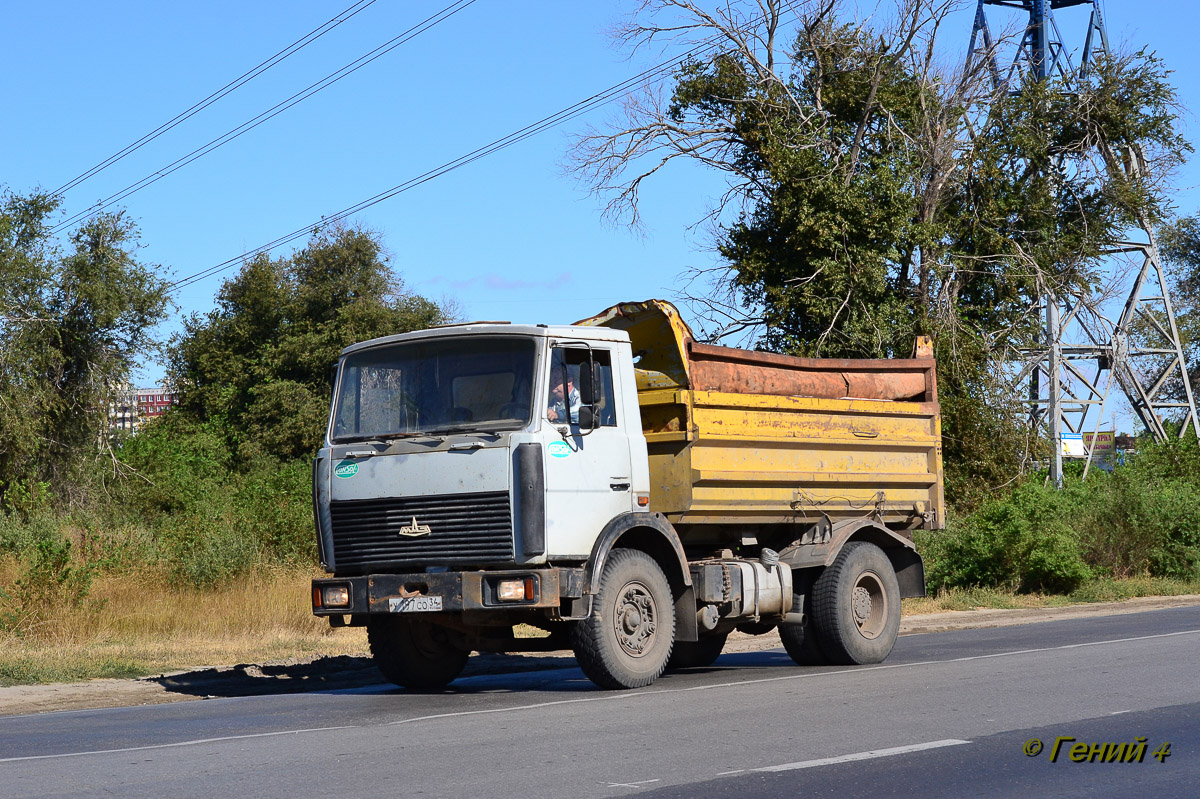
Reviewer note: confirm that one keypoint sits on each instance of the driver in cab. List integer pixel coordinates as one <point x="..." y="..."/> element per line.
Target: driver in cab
<point x="559" y="399"/>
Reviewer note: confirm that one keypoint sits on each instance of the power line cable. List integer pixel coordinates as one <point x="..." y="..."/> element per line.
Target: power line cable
<point x="557" y="118"/>
<point x="225" y="90"/>
<point x="276" y="110"/>
<point x="564" y="115"/>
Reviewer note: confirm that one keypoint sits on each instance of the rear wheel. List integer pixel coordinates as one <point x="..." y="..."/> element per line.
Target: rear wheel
<point x="696" y="654"/>
<point x="627" y="638"/>
<point x="414" y="654"/>
<point x="856" y="606"/>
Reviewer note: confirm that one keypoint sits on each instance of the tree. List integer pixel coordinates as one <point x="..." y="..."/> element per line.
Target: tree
<point x="259" y="363"/>
<point x="72" y="327"/>
<point x="874" y="194"/>
<point x="23" y="270"/>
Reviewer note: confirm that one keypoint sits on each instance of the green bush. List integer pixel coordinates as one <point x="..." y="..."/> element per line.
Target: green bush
<point x="1133" y="523"/>
<point x="207" y="554"/>
<point x="48" y="581"/>
<point x="1143" y="519"/>
<point x="211" y="518"/>
<point x="174" y="463"/>
<point x="1020" y="542"/>
<point x="20" y="535"/>
<point x="26" y="497"/>
<point x="273" y="507"/>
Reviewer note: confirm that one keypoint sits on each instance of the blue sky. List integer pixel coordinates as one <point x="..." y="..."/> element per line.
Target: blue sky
<point x="508" y="237"/>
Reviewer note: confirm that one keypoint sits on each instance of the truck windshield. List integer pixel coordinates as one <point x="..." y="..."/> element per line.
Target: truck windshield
<point x="468" y="384"/>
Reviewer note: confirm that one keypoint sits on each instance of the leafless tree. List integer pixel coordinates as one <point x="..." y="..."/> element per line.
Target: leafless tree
<point x="761" y="38"/>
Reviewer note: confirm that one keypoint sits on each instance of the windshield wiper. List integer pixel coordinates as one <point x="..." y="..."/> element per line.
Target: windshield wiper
<point x="436" y="434"/>
<point x="470" y="430"/>
<point x="382" y="437"/>
<point x="446" y="431"/>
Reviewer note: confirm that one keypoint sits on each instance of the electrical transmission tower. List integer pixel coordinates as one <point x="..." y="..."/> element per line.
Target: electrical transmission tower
<point x="1083" y="352"/>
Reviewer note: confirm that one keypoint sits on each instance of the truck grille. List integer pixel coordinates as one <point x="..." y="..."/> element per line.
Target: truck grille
<point x="464" y="529"/>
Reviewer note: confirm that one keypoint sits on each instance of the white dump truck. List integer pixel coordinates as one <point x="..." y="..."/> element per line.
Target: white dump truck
<point x="616" y="488"/>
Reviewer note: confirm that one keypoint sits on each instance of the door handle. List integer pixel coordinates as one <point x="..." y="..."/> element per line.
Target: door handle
<point x="619" y="486"/>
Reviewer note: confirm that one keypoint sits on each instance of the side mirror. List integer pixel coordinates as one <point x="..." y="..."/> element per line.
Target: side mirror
<point x="587" y="418"/>
<point x="587" y="384"/>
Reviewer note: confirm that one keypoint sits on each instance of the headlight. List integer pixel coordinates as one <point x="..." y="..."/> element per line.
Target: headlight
<point x="335" y="596"/>
<point x="515" y="590"/>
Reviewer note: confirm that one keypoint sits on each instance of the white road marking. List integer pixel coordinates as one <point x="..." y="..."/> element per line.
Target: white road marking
<point x="193" y="742"/>
<point x="623" y="696"/>
<point x="627" y="784"/>
<point x="874" y="753"/>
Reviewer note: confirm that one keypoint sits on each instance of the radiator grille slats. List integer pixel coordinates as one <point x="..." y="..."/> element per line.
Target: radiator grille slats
<point x="465" y="530"/>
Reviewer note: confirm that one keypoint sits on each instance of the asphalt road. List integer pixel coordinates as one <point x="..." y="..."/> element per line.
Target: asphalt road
<point x="949" y="714"/>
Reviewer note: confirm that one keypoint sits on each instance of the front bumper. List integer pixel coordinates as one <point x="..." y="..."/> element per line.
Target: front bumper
<point x="447" y="592"/>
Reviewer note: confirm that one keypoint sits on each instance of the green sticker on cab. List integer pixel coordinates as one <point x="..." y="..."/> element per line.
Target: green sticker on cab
<point x="345" y="469"/>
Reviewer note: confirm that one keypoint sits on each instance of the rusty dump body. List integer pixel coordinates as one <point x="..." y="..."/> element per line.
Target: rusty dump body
<point x="739" y="439"/>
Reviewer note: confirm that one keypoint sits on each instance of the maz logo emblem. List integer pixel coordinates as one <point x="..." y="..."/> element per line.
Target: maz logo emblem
<point x="414" y="530"/>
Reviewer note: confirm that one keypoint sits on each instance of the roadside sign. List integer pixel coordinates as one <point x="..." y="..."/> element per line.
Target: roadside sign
<point x="1072" y="445"/>
<point x="1104" y="449"/>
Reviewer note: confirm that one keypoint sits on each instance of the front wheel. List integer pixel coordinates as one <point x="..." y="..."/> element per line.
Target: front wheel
<point x="414" y="654"/>
<point x="856" y="606"/>
<point x="626" y="640"/>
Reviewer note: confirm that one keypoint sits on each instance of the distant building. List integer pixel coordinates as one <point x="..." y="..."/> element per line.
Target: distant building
<point x="133" y="407"/>
<point x="152" y="402"/>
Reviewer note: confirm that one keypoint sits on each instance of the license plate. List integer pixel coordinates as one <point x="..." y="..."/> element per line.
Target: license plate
<point x="414" y="604"/>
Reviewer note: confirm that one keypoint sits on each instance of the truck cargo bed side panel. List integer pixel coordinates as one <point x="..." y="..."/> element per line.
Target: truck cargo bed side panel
<point x="752" y="458"/>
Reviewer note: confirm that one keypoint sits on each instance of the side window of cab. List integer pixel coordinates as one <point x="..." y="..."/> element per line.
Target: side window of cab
<point x="569" y="367"/>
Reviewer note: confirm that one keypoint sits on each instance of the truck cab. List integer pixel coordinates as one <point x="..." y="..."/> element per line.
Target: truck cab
<point x="444" y="442"/>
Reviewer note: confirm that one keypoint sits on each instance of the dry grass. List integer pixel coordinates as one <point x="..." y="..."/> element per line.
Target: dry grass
<point x="133" y="625"/>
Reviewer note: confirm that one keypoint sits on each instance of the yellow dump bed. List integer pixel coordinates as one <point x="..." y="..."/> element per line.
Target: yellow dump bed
<point x="738" y="437"/>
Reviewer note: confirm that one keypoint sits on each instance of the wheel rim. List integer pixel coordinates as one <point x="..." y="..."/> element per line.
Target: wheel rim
<point x="635" y="620"/>
<point x="869" y="605"/>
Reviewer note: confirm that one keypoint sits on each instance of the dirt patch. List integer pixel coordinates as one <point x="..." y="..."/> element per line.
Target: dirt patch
<point x="341" y="672"/>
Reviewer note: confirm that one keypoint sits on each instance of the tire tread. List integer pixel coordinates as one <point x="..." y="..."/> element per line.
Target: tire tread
<point x="841" y="644"/>
<point x="598" y="663"/>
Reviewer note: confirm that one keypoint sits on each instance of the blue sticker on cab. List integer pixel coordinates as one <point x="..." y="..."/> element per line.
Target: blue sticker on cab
<point x="558" y="449"/>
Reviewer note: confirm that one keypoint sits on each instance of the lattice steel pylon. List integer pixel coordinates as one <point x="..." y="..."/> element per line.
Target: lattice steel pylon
<point x="1141" y="351"/>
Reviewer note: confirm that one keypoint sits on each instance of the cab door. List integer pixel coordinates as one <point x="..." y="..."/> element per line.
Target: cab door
<point x="587" y="467"/>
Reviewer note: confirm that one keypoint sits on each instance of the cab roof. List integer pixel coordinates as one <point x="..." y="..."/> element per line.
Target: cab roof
<point x="575" y="332"/>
